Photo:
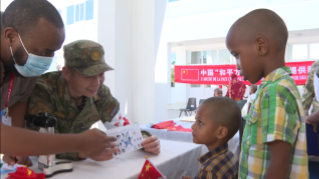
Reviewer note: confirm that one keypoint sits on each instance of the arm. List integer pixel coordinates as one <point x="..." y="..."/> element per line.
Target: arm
<point x="279" y="161"/>
<point x="248" y="108"/>
<point x="17" y="113"/>
<point x="308" y="93"/>
<point x="17" y="119"/>
<point x="29" y="143"/>
<point x="313" y="119"/>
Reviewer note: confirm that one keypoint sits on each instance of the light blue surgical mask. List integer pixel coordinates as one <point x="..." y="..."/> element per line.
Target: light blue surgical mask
<point x="35" y="65"/>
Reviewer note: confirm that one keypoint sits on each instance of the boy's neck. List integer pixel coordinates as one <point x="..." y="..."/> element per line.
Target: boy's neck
<point x="215" y="145"/>
<point x="273" y="64"/>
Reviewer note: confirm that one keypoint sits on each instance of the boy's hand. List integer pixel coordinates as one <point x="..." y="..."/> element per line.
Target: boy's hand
<point x="152" y="145"/>
<point x="187" y="177"/>
<point x="314" y="124"/>
<point x="11" y="160"/>
<point x="95" y="142"/>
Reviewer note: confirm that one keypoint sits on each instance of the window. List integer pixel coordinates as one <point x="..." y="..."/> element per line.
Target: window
<point x="225" y="57"/>
<point x="210" y="57"/>
<point x="70" y="15"/>
<point x="194" y="57"/>
<point x="173" y="58"/>
<point x="77" y="12"/>
<point x="82" y="12"/>
<point x="89" y="10"/>
<point x="298" y="52"/>
<point x="314" y="51"/>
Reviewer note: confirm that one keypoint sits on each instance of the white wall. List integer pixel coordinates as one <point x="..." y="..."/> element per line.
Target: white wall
<point x="179" y="91"/>
<point x="298" y="16"/>
<point x="132" y="35"/>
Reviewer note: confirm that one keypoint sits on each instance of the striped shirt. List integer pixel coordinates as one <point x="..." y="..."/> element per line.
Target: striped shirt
<point x="276" y="114"/>
<point x="218" y="164"/>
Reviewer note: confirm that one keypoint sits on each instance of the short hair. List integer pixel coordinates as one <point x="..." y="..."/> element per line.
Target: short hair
<point x="254" y="87"/>
<point x="24" y="15"/>
<point x="216" y="89"/>
<point x="226" y="112"/>
<point x="262" y="22"/>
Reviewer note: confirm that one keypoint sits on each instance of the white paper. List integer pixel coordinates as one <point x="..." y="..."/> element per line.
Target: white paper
<point x="6" y="120"/>
<point x="128" y="138"/>
<point x="316" y="85"/>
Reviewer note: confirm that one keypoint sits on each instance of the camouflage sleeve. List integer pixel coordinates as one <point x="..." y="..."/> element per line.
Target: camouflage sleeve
<point x="39" y="101"/>
<point x="308" y="93"/>
<point x="110" y="106"/>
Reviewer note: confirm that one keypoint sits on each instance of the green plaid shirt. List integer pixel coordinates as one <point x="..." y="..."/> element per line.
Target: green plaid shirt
<point x="276" y="114"/>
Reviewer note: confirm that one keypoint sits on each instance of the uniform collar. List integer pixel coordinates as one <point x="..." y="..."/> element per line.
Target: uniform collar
<point x="214" y="153"/>
<point x="278" y="73"/>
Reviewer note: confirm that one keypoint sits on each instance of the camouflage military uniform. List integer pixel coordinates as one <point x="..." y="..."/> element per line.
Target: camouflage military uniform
<point x="51" y="94"/>
<point x="308" y="96"/>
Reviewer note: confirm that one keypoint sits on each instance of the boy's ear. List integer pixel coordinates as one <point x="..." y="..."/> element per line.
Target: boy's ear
<point x="261" y="44"/>
<point x="222" y="132"/>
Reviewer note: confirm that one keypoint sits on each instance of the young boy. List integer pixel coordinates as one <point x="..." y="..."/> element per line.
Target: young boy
<point x="218" y="92"/>
<point x="274" y="142"/>
<point x="252" y="95"/>
<point x="217" y="120"/>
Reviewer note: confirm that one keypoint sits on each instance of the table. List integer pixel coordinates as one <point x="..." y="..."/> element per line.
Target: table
<point x="175" y="160"/>
<point x="233" y="143"/>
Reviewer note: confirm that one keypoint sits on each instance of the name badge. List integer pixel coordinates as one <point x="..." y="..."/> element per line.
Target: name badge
<point x="6" y="120"/>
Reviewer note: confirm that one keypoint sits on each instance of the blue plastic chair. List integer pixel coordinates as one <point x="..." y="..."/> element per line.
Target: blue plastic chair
<point x="312" y="140"/>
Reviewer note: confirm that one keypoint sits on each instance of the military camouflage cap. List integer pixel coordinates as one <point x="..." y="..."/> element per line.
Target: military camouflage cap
<point x="86" y="57"/>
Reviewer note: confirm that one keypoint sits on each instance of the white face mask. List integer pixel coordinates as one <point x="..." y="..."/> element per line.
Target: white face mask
<point x="35" y="65"/>
<point x="316" y="83"/>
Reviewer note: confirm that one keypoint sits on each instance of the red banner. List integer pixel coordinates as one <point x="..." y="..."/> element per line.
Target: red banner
<point x="220" y="74"/>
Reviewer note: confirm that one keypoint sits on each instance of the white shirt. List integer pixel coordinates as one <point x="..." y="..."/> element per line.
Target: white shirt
<point x="251" y="98"/>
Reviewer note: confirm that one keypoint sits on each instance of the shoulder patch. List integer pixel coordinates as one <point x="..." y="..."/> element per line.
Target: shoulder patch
<point x="40" y="107"/>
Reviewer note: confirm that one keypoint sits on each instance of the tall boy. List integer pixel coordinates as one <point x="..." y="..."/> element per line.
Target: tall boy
<point x="274" y="141"/>
<point x="217" y="120"/>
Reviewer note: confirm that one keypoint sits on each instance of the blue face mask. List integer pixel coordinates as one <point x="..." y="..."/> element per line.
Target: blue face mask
<point x="35" y="65"/>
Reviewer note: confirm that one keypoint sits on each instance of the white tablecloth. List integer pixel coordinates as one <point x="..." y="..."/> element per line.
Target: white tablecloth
<point x="233" y="143"/>
<point x="175" y="160"/>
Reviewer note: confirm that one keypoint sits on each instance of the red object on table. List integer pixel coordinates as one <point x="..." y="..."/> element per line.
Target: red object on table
<point x="149" y="171"/>
<point x="24" y="172"/>
<point x="170" y="125"/>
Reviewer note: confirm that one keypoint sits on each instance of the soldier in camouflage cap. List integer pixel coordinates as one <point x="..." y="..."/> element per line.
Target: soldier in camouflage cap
<point x="77" y="96"/>
<point x="86" y="57"/>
